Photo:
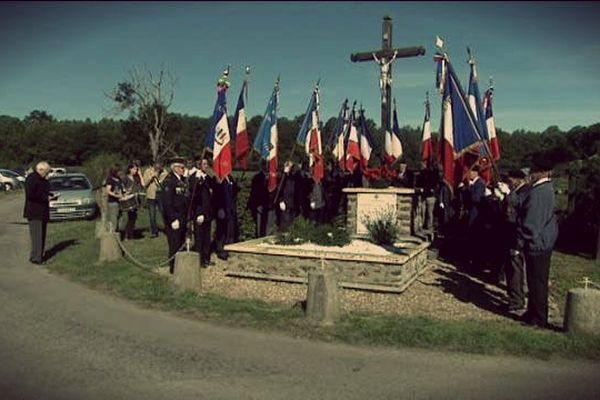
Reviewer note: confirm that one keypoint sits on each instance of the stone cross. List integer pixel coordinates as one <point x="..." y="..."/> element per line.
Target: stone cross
<point x="385" y="57"/>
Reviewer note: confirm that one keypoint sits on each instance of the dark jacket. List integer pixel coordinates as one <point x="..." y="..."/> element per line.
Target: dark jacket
<point x="475" y="200"/>
<point x="539" y="228"/>
<point x="224" y="197"/>
<point x="37" y="190"/>
<point x="202" y="192"/>
<point x="287" y="193"/>
<point x="514" y="216"/>
<point x="175" y="199"/>
<point x="259" y="193"/>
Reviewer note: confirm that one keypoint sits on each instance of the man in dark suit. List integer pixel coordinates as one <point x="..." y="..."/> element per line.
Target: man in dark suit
<point x="224" y="201"/>
<point x="175" y="204"/>
<point x="201" y="187"/>
<point x="258" y="202"/>
<point x="286" y="202"/>
<point x="37" y="209"/>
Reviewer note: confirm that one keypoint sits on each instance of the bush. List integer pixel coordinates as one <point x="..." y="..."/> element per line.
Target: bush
<point x="303" y="230"/>
<point x="383" y="229"/>
<point x="96" y="168"/>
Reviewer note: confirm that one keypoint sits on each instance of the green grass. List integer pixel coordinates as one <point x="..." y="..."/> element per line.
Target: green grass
<point x="78" y="261"/>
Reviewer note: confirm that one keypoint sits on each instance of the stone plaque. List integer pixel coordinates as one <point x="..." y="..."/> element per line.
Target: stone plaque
<point x="372" y="204"/>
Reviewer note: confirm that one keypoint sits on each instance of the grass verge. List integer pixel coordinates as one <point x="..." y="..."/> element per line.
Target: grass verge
<point x="73" y="242"/>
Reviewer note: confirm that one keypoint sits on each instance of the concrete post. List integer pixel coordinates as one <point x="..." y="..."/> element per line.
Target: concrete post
<point x="109" y="247"/>
<point x="582" y="312"/>
<point x="322" y="304"/>
<point x="187" y="274"/>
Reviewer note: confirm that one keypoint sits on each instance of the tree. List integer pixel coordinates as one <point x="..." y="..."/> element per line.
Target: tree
<point x="38" y="116"/>
<point x="147" y="97"/>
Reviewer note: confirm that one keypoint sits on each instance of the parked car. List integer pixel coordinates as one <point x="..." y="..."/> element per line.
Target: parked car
<point x="57" y="171"/>
<point x="10" y="180"/>
<point x="75" y="197"/>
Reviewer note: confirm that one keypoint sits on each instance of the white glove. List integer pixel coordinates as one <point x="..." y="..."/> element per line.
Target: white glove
<point x="175" y="225"/>
<point x="200" y="219"/>
<point x="313" y="205"/>
<point x="442" y="205"/>
<point x="221" y="213"/>
<point x="259" y="209"/>
<point x="282" y="206"/>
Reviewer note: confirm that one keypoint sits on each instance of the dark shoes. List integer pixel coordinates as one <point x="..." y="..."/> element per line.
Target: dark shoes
<point x="206" y="264"/>
<point x="223" y="255"/>
<point x="37" y="262"/>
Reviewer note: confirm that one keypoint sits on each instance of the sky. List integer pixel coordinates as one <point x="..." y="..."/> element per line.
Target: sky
<point x="62" y="57"/>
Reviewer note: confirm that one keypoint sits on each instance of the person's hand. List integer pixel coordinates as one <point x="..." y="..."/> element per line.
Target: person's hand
<point x="175" y="225"/>
<point x="442" y="205"/>
<point x="282" y="206"/>
<point x="259" y="209"/>
<point x="221" y="213"/>
<point x="200" y="219"/>
<point x="514" y="252"/>
<point x="313" y="205"/>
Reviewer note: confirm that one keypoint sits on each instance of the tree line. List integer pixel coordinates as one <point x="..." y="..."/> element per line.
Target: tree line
<point x="73" y="142"/>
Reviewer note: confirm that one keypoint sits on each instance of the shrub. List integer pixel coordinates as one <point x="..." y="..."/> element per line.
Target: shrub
<point x="303" y="230"/>
<point x="383" y="229"/>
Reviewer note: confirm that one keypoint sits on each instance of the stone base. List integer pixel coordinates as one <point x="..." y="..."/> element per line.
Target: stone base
<point x="187" y="274"/>
<point x="582" y="312"/>
<point x="322" y="304"/>
<point x="109" y="247"/>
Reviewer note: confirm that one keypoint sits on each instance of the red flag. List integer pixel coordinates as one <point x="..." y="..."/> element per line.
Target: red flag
<point x="242" y="144"/>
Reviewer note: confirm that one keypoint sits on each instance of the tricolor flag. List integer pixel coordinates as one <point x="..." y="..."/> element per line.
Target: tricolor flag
<point x="427" y="156"/>
<point x="392" y="143"/>
<point x="265" y="142"/>
<point x="218" y="140"/>
<point x="309" y="137"/>
<point x="337" y="143"/>
<point x="490" y="124"/>
<point x="240" y="133"/>
<point x="460" y="133"/>
<point x="352" y="147"/>
<point x="365" y="142"/>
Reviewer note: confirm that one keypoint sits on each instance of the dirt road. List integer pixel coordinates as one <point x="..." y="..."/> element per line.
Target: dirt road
<point x="59" y="340"/>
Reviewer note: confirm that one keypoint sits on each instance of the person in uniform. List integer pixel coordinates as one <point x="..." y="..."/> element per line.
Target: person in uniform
<point x="258" y="201"/>
<point x="201" y="186"/>
<point x="332" y="185"/>
<point x="175" y="203"/>
<point x="286" y="202"/>
<point x="224" y="200"/>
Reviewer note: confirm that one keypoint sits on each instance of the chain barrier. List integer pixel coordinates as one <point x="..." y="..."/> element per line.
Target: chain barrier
<point x="146" y="267"/>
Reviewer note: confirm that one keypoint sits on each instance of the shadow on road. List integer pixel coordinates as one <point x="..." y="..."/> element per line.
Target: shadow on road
<point x="57" y="248"/>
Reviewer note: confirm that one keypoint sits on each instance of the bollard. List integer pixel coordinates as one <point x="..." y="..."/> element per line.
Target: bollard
<point x="109" y="247"/>
<point x="187" y="274"/>
<point x="322" y="303"/>
<point x="582" y="312"/>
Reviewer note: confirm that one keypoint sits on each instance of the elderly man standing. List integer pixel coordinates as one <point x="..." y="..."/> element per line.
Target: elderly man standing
<point x="538" y="231"/>
<point x="175" y="204"/>
<point x="37" y="209"/>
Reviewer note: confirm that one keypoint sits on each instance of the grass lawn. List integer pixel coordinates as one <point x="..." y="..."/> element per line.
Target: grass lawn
<point x="78" y="253"/>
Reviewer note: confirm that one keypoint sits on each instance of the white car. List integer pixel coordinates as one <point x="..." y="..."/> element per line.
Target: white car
<point x="10" y="180"/>
<point x="57" y="171"/>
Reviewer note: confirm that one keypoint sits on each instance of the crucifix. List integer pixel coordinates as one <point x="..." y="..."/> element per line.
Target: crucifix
<point x="384" y="58"/>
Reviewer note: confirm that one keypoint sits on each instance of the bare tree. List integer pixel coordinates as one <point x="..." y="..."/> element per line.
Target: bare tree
<point x="147" y="97"/>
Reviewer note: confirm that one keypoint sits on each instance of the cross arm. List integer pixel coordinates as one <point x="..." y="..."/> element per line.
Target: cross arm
<point x="400" y="53"/>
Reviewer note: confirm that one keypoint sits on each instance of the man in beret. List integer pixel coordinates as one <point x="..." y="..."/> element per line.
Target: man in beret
<point x="538" y="231"/>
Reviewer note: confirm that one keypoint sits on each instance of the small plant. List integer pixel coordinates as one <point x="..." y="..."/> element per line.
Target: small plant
<point x="303" y="230"/>
<point x="383" y="229"/>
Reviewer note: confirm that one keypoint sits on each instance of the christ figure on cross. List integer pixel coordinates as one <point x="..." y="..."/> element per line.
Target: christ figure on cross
<point x="384" y="80"/>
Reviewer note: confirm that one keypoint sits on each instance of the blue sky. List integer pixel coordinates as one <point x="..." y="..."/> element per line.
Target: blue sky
<point x="62" y="57"/>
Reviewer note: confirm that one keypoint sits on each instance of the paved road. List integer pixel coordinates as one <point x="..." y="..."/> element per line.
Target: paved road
<point x="59" y="340"/>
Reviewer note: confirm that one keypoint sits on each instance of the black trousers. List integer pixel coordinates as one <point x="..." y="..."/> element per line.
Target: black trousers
<point x="176" y="239"/>
<point x="37" y="234"/>
<point x="202" y="240"/>
<point x="538" y="269"/>
<point x="515" y="280"/>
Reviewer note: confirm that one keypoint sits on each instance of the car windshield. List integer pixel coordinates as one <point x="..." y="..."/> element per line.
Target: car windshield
<point x="6" y="172"/>
<point x="69" y="183"/>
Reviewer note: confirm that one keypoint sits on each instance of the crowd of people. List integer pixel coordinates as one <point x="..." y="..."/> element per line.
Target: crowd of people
<point x="507" y="225"/>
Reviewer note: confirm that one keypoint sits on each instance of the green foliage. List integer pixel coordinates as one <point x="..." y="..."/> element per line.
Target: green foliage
<point x="96" y="168"/>
<point x="383" y="228"/>
<point x="303" y="230"/>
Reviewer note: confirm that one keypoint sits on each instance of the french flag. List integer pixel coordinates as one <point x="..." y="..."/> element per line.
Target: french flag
<point x="218" y="139"/>
<point x="459" y="128"/>
<point x="309" y="137"/>
<point x="365" y="141"/>
<point x="240" y="134"/>
<point x="490" y="124"/>
<point x="393" y="145"/>
<point x="427" y="155"/>
<point x="265" y="142"/>
<point x="352" y="148"/>
<point x="338" y="137"/>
